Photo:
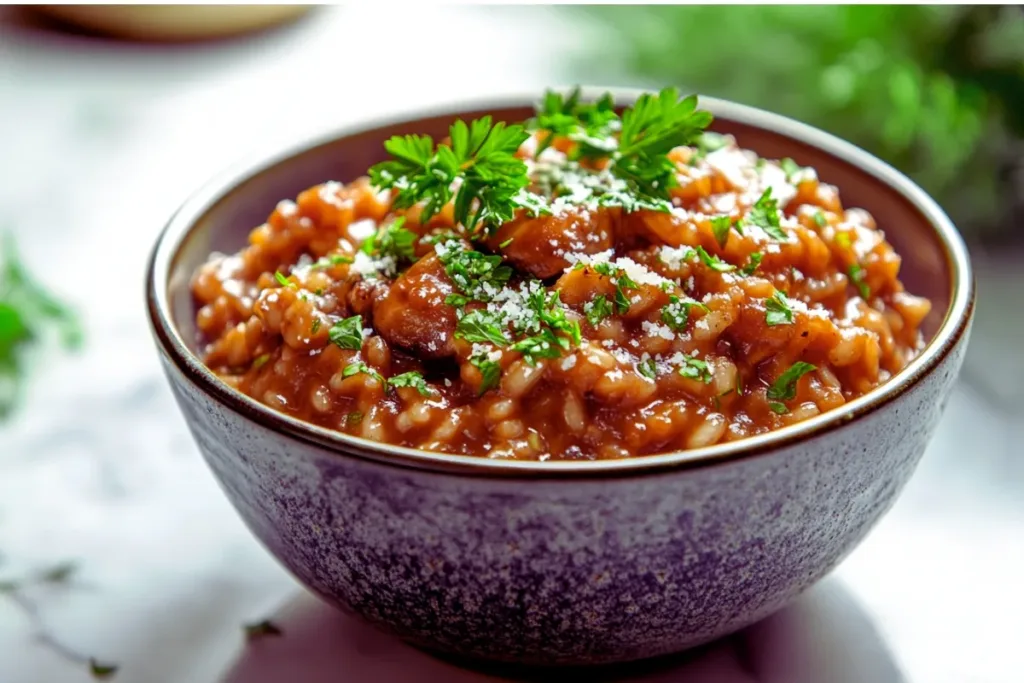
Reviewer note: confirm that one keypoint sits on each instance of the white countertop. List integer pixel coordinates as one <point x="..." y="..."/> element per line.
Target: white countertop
<point x="99" y="142"/>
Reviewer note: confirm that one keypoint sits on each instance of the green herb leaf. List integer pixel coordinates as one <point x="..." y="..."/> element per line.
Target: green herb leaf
<point x="778" y="408"/>
<point x="101" y="671"/>
<point x="481" y="154"/>
<point x="490" y="370"/>
<point x="857" y="274"/>
<point x="354" y="418"/>
<point x="361" y="367"/>
<point x="543" y="345"/>
<point x="282" y="280"/>
<point x="790" y="168"/>
<point x="598" y="309"/>
<point x="820" y="219"/>
<point x="695" y="368"/>
<point x="261" y="629"/>
<point x="347" y="333"/>
<point x="392" y="240"/>
<point x="765" y="215"/>
<point x="260" y="361"/>
<point x="332" y="260"/>
<point x="720" y="227"/>
<point x="714" y="262"/>
<point x="648" y="368"/>
<point x="411" y="379"/>
<point x="752" y="263"/>
<point x="315" y="327"/>
<point x="478" y="276"/>
<point x="784" y="388"/>
<point x="481" y="326"/>
<point x="843" y="239"/>
<point x="676" y="312"/>
<point x="777" y="310"/>
<point x="590" y="125"/>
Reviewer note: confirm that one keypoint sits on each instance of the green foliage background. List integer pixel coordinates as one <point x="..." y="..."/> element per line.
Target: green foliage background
<point x="936" y="91"/>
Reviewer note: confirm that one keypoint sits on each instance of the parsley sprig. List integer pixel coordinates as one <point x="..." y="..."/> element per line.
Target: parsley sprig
<point x="481" y="155"/>
<point x="392" y="240"/>
<point x="589" y="124"/>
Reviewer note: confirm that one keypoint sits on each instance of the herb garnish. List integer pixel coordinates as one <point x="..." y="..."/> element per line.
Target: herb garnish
<point x="620" y="279"/>
<point x="695" y="368"/>
<point x="790" y="168"/>
<point x="765" y="215"/>
<point x="784" y="388"/>
<point x="391" y="240"/>
<point x="359" y="366"/>
<point x="648" y="368"/>
<point x="714" y="262"/>
<point x="752" y="263"/>
<point x="590" y="125"/>
<point x="676" y="312"/>
<point x="597" y="309"/>
<point x="720" y="227"/>
<point x="856" y="273"/>
<point x="477" y="275"/>
<point x="481" y="155"/>
<point x="332" y="260"/>
<point x="413" y="380"/>
<point x="347" y="333"/>
<point x="489" y="369"/>
<point x="481" y="325"/>
<point x="101" y="671"/>
<point x="777" y="310"/>
<point x="843" y="239"/>
<point x="820" y="219"/>
<point x="282" y="279"/>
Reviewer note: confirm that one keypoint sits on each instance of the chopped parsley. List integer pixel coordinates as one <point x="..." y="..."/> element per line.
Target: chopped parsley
<point x="347" y="333"/>
<point x="260" y="361"/>
<point x="777" y="310"/>
<point x="753" y="263"/>
<point x="590" y="125"/>
<point x="622" y="283"/>
<point x="456" y="300"/>
<point x="543" y="345"/>
<point x="477" y="275"/>
<point x="505" y="243"/>
<point x="489" y="370"/>
<point x="696" y="369"/>
<point x="413" y="380"/>
<point x="282" y="279"/>
<point x="784" y="388"/>
<point x="710" y="142"/>
<point x="713" y="262"/>
<point x="598" y="309"/>
<point x="765" y="215"/>
<point x="332" y="260"/>
<point x="856" y="274"/>
<point x="778" y="408"/>
<point x="790" y="168"/>
<point x="819" y="219"/>
<point x="551" y="325"/>
<point x="481" y="325"/>
<point x="357" y="367"/>
<point x="676" y="312"/>
<point x="392" y="240"/>
<point x="648" y="368"/>
<point x="843" y="239"/>
<point x="481" y="155"/>
<point x="720" y="227"/>
<point x="354" y="418"/>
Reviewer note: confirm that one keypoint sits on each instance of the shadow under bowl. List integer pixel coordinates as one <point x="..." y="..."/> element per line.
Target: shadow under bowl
<point x="568" y="563"/>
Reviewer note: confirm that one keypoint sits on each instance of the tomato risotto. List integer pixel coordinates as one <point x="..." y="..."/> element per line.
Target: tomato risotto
<point x="587" y="284"/>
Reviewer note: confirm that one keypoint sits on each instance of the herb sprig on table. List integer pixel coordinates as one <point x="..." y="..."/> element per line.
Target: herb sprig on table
<point x="28" y="313"/>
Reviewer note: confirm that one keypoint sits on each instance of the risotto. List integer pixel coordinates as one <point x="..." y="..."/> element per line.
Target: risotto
<point x="583" y="285"/>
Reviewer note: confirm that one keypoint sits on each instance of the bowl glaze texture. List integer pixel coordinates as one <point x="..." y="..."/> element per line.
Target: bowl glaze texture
<point x="563" y="563"/>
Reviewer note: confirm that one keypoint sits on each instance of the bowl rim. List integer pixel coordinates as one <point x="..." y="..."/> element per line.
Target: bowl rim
<point x="183" y="221"/>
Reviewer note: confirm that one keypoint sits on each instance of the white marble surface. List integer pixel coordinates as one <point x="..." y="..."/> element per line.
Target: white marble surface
<point x="99" y="142"/>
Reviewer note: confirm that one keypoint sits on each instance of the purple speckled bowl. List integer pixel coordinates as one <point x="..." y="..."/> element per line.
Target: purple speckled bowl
<point x="563" y="562"/>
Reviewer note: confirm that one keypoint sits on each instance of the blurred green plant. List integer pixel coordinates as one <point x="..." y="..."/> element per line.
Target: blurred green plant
<point x="937" y="91"/>
<point x="28" y="315"/>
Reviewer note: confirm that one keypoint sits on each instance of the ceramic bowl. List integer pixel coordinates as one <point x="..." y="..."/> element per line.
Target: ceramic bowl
<point x="563" y="562"/>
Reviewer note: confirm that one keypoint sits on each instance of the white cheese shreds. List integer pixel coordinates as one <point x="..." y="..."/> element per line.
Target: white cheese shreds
<point x="569" y="362"/>
<point x="362" y="229"/>
<point x="658" y="330"/>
